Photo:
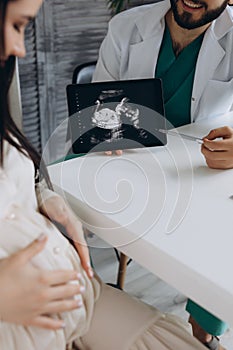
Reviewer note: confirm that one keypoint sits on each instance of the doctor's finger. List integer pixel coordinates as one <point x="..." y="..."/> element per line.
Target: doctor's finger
<point x="218" y="145"/>
<point x="216" y="156"/>
<point x="224" y="132"/>
<point x="118" y="152"/>
<point x="220" y="164"/>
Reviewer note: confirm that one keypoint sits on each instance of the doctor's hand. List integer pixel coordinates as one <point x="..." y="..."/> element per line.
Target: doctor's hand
<point x="28" y="295"/>
<point x="56" y="209"/>
<point x="118" y="152"/>
<point x="219" y="153"/>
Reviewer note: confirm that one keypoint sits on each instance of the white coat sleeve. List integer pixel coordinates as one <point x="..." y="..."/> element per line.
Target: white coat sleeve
<point x="109" y="61"/>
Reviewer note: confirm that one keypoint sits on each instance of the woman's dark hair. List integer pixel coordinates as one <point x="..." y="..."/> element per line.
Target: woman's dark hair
<point x="8" y="129"/>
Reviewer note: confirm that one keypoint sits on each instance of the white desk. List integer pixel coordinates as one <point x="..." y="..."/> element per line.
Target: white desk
<point x="164" y="208"/>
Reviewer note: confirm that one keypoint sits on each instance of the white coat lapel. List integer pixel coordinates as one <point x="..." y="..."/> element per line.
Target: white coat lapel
<point x="143" y="53"/>
<point x="210" y="56"/>
<point x="143" y="57"/>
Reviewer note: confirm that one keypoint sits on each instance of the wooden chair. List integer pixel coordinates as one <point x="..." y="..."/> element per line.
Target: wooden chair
<point x="83" y="74"/>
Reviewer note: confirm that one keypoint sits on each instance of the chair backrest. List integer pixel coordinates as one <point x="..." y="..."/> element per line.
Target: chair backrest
<point x="83" y="73"/>
<point x="15" y="98"/>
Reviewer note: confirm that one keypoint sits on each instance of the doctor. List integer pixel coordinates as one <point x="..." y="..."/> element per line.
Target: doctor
<point x="189" y="45"/>
<point x="188" y="40"/>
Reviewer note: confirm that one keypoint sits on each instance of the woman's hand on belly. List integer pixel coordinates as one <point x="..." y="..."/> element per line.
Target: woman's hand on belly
<point x="29" y="295"/>
<point x="56" y="209"/>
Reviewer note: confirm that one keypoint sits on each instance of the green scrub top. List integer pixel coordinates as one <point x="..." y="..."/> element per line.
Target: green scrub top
<point x="177" y="74"/>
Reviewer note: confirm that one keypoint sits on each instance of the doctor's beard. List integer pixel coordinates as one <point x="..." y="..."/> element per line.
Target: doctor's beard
<point x="185" y="20"/>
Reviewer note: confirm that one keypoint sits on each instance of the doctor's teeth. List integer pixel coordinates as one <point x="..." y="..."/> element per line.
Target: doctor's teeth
<point x="191" y="4"/>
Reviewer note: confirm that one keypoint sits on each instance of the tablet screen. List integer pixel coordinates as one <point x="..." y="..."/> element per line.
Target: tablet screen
<point x="115" y="115"/>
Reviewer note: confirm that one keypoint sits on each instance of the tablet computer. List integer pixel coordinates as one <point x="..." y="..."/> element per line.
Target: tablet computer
<point x="112" y="115"/>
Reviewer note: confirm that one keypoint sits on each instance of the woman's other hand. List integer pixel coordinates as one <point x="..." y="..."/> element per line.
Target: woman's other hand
<point x="56" y="209"/>
<point x="28" y="295"/>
